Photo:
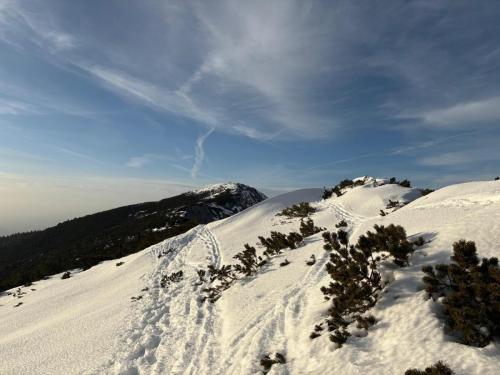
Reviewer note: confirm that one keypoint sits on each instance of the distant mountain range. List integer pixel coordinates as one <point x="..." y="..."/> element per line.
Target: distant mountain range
<point x="86" y="241"/>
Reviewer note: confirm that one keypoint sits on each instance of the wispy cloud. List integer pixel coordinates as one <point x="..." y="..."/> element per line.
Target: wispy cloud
<point x="14" y="17"/>
<point x="199" y="153"/>
<point x="138" y="161"/>
<point x="256" y="63"/>
<point x="14" y="107"/>
<point x="151" y="94"/>
<point x="459" y="158"/>
<point x="145" y="159"/>
<point x="473" y="112"/>
<point x="74" y="153"/>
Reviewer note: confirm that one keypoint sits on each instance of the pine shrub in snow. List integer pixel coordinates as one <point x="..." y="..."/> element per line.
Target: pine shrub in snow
<point x="341" y="224"/>
<point x="279" y="241"/>
<point x="333" y="241"/>
<point x="392" y="204"/>
<point x="439" y="368"/>
<point x="355" y="284"/>
<point x="303" y="209"/>
<point x="224" y="276"/>
<point x="404" y="183"/>
<point x="391" y="239"/>
<point x="426" y="191"/>
<point x="250" y="262"/>
<point x="66" y="275"/>
<point x="355" y="279"/>
<point x="337" y="189"/>
<point x="311" y="261"/>
<point x="166" y="280"/>
<point x="267" y="362"/>
<point x="307" y="228"/>
<point x="286" y="262"/>
<point x="471" y="291"/>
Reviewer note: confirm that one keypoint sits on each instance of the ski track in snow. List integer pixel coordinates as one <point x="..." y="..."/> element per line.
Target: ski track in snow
<point x="174" y="314"/>
<point x="267" y="333"/>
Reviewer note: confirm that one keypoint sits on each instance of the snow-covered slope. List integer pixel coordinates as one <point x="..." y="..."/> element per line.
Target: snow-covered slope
<point x="171" y="331"/>
<point x="67" y="326"/>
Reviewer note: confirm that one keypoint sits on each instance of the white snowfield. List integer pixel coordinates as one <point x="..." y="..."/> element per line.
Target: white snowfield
<point x="88" y="324"/>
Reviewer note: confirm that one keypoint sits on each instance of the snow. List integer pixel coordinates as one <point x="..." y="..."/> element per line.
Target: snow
<point x="65" y="326"/>
<point x="231" y="186"/>
<point x="88" y="323"/>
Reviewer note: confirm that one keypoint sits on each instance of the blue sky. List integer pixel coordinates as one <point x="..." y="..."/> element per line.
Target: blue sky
<point x="110" y="102"/>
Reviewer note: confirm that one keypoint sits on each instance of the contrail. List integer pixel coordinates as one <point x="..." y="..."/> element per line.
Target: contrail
<point x="199" y="153"/>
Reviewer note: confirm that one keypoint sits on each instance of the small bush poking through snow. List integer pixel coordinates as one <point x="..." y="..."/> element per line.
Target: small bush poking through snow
<point x="166" y="280"/>
<point x="224" y="274"/>
<point x="391" y="239"/>
<point x="342" y="185"/>
<point x="307" y="228"/>
<point x="341" y="224"/>
<point x="286" y="262"/>
<point x="119" y="264"/>
<point x="66" y="275"/>
<point x="439" y="368"/>
<point x="267" y="362"/>
<point x="279" y="241"/>
<point x="393" y="204"/>
<point x="426" y="191"/>
<point x="311" y="261"/>
<point x="225" y="277"/>
<point x="365" y="322"/>
<point x="471" y="291"/>
<point x="250" y="262"/>
<point x="355" y="284"/>
<point x="303" y="209"/>
<point x="404" y="183"/>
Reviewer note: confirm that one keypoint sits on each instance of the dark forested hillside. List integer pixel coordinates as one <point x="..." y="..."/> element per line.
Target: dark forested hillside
<point x="86" y="241"/>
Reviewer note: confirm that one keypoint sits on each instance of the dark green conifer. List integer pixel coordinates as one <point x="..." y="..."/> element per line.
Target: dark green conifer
<point x="471" y="291"/>
<point x="439" y="368"/>
<point x="250" y="262"/>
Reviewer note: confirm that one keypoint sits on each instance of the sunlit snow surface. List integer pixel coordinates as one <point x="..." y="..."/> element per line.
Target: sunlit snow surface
<point x="89" y="324"/>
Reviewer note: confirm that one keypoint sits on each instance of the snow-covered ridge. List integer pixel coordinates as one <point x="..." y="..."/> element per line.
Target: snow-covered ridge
<point x="170" y="331"/>
<point x="226" y="199"/>
<point x="232" y="187"/>
<point x="219" y="187"/>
